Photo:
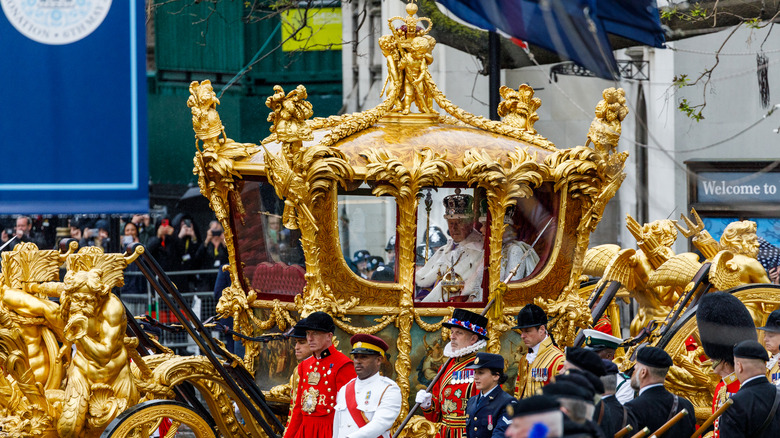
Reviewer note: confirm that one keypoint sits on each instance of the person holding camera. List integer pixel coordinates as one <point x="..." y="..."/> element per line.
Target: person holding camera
<point x="213" y="253"/>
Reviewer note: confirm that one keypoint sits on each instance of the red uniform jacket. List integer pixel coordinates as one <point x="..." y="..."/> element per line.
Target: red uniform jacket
<point x="319" y="380"/>
<point x="450" y="394"/>
<point x="727" y="387"/>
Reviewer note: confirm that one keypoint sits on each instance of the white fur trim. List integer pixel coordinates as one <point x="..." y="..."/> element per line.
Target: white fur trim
<point x="465" y="350"/>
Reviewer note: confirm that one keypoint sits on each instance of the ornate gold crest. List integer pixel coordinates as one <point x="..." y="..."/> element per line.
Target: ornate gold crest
<point x="309" y="400"/>
<point x="448" y="406"/>
<point x="314" y="378"/>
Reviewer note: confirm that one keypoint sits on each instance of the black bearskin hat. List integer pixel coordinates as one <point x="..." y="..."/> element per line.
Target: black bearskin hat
<point x="723" y="322"/>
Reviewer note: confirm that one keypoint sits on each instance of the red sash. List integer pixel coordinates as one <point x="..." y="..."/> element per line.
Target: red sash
<point x="357" y="414"/>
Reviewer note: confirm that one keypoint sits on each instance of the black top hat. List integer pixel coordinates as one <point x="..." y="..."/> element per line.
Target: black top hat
<point x="585" y="360"/>
<point x="535" y="404"/>
<point x="319" y="321"/>
<point x="751" y="350"/>
<point x="772" y="322"/>
<point x="475" y="323"/>
<point x="723" y="322"/>
<point x="368" y="344"/>
<point x="530" y="316"/>
<point x="487" y="360"/>
<point x="458" y="206"/>
<point x="654" y="357"/>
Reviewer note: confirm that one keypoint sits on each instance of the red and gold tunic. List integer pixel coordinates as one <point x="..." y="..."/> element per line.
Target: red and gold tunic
<point x="319" y="380"/>
<point x="604" y="325"/>
<point x="547" y="363"/>
<point x="727" y="387"/>
<point x="449" y="397"/>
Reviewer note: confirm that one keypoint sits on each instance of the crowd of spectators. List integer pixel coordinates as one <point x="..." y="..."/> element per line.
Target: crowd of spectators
<point x="178" y="244"/>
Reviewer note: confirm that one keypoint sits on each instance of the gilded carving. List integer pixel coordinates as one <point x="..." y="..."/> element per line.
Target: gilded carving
<point x="519" y="107"/>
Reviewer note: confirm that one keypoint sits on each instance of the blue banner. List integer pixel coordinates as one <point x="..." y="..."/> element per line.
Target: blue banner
<point x="74" y="123"/>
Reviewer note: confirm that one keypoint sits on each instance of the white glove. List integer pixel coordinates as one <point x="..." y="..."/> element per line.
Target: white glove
<point x="423" y="398"/>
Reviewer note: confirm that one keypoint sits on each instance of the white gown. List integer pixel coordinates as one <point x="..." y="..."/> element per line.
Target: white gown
<point x="512" y="252"/>
<point x="468" y="257"/>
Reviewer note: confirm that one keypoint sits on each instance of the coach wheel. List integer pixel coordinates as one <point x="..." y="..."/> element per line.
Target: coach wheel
<point x="144" y="419"/>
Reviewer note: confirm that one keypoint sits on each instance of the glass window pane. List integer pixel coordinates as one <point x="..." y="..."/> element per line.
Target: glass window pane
<point x="367" y="228"/>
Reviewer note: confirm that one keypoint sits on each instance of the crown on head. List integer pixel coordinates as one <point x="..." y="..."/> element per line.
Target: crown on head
<point x="458" y="206"/>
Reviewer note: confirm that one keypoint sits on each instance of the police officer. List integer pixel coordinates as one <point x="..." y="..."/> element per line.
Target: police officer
<point x="772" y="343"/>
<point x="319" y="379"/>
<point x="367" y="406"/>
<point x="446" y="403"/>
<point x="544" y="359"/>
<point x="755" y="409"/>
<point x="654" y="405"/>
<point x="486" y="410"/>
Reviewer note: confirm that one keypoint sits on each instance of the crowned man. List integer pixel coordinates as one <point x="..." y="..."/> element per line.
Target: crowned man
<point x="369" y="404"/>
<point x="772" y="344"/>
<point x="544" y="359"/>
<point x="723" y="322"/>
<point x="446" y="403"/>
<point x="460" y="258"/>
<point x="319" y="379"/>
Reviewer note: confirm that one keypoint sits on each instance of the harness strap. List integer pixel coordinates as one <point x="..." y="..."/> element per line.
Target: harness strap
<point x="771" y="415"/>
<point x="674" y="407"/>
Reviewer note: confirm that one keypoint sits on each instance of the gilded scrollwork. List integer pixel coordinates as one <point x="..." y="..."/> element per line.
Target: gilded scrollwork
<point x="504" y="182"/>
<point x="519" y="107"/>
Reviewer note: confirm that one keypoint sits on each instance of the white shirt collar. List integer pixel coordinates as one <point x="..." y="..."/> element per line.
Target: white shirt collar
<point x="489" y="392"/>
<point x="752" y="378"/>
<point x="534" y="351"/>
<point x="649" y="386"/>
<point x="368" y="381"/>
<point x="772" y="361"/>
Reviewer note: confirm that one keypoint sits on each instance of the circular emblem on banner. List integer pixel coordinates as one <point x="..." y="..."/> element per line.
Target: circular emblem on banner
<point x="55" y="22"/>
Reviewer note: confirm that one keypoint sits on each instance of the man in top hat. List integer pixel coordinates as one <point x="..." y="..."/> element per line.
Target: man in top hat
<point x="772" y="343"/>
<point x="486" y="410"/>
<point x="654" y="405"/>
<point x="544" y="359"/>
<point x="446" y="403"/>
<point x="755" y="409"/>
<point x="461" y="256"/>
<point x="604" y="344"/>
<point x="319" y="379"/>
<point x="367" y="406"/>
<point x="539" y="415"/>
<point x="723" y="322"/>
<point x="610" y="415"/>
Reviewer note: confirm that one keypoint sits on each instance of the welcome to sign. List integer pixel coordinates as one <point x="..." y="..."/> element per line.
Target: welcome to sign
<point x="738" y="187"/>
<point x="74" y="117"/>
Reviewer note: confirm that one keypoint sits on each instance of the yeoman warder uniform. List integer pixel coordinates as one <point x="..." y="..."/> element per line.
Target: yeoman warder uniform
<point x="723" y="322"/>
<point x="367" y="408"/>
<point x="452" y="391"/>
<point x="751" y="414"/>
<point x="543" y="361"/>
<point x="487" y="412"/>
<point x="319" y="380"/>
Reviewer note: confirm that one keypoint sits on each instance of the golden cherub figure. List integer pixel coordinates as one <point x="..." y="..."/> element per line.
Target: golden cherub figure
<point x="289" y="113"/>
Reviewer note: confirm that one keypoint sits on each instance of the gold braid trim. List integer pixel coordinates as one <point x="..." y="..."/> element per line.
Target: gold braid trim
<point x="488" y="125"/>
<point x="431" y="327"/>
<point x="279" y="317"/>
<point x="383" y="322"/>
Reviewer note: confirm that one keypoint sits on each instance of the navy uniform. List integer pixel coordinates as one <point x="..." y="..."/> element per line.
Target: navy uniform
<point x="750" y="415"/>
<point x="610" y="415"/>
<point x="319" y="379"/>
<point x="773" y="365"/>
<point x="487" y="412"/>
<point x="367" y="408"/>
<point x="654" y="405"/>
<point x="575" y="387"/>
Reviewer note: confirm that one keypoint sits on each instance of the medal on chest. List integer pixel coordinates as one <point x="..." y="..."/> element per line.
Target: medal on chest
<point x="463" y="376"/>
<point x="368" y="397"/>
